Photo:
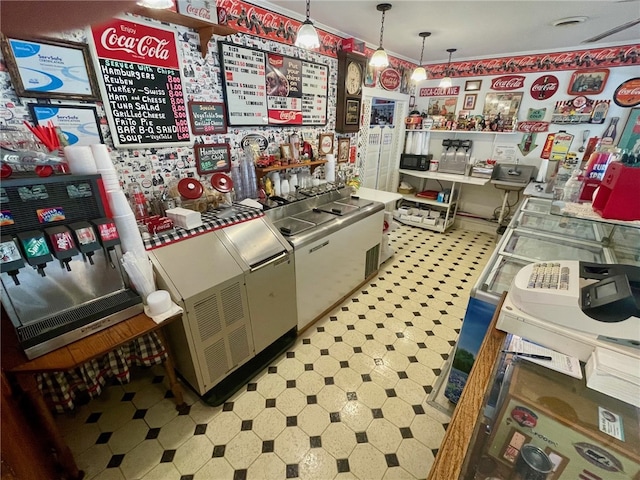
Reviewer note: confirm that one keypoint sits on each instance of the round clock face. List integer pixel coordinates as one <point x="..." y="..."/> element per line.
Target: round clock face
<point x="353" y="81"/>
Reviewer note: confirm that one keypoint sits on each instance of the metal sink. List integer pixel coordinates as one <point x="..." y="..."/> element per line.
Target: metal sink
<point x="511" y="176"/>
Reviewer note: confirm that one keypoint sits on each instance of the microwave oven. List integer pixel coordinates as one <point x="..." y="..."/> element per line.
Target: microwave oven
<point x="415" y="162"/>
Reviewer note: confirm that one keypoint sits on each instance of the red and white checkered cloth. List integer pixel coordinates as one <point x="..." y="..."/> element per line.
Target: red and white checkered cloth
<point x="60" y="389"/>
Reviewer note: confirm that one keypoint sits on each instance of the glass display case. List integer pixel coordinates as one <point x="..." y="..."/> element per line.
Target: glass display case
<point x="520" y="420"/>
<point x="548" y="426"/>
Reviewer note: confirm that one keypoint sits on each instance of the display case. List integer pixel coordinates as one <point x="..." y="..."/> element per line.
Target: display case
<point x="509" y="403"/>
<point x="581" y="432"/>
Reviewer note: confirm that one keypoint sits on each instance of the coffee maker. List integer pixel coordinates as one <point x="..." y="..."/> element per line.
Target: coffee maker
<point x="60" y="261"/>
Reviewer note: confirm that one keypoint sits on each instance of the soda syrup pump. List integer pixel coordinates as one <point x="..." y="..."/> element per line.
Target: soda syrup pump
<point x="60" y="261"/>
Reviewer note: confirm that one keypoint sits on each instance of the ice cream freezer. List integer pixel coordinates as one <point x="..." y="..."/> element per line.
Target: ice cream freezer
<point x="533" y="235"/>
<point x="237" y="288"/>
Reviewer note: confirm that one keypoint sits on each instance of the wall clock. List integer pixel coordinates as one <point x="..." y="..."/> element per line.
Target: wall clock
<point x="351" y="68"/>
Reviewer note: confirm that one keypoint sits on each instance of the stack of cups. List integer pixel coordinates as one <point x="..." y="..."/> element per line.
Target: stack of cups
<point x="330" y="168"/>
<point x="80" y="160"/>
<point x="130" y="237"/>
<point x="105" y="167"/>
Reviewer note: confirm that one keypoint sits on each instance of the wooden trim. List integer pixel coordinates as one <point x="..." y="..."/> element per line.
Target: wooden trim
<point x="457" y="439"/>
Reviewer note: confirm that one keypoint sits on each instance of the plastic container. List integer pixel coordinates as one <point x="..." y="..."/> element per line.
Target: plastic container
<point x="594" y="172"/>
<point x="138" y="201"/>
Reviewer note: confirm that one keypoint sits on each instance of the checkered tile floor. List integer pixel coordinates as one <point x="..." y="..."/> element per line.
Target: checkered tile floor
<point x="349" y="400"/>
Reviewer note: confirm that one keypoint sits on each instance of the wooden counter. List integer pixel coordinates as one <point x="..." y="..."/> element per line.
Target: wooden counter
<point x="17" y="367"/>
<point x="457" y="439"/>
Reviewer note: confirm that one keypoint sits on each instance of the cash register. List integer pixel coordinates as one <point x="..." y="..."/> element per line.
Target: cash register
<point x="574" y="306"/>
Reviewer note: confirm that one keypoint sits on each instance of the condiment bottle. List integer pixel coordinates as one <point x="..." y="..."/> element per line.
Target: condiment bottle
<point x="137" y="200"/>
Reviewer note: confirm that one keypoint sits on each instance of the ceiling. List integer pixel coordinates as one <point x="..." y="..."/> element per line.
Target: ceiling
<point x="476" y="28"/>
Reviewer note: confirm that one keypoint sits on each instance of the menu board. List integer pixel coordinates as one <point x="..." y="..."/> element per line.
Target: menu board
<point x="270" y="89"/>
<point x="139" y="75"/>
<point x="207" y="117"/>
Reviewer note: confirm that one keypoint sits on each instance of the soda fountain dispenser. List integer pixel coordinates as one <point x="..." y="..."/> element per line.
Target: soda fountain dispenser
<point x="61" y="217"/>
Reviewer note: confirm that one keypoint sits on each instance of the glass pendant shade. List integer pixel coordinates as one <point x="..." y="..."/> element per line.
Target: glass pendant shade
<point x="157" y="4"/>
<point x="419" y="74"/>
<point x="307" y="36"/>
<point x="445" y="82"/>
<point x="379" y="59"/>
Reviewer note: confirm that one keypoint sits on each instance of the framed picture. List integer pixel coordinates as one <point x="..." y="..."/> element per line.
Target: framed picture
<point x="630" y="138"/>
<point x="472" y="85"/>
<point x="370" y="77"/>
<point x="286" y="151"/>
<point x="212" y="158"/>
<point x="325" y="144"/>
<point x="559" y="463"/>
<point x="343" y="149"/>
<point x="33" y="74"/>
<point x="412" y="101"/>
<point x="514" y="442"/>
<point x="352" y="112"/>
<point x="505" y="104"/>
<point x="588" y="82"/>
<point x="442" y="106"/>
<point x="79" y="123"/>
<point x="469" y="101"/>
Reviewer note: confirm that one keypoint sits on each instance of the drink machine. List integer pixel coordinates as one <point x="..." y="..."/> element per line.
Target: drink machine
<point x="60" y="267"/>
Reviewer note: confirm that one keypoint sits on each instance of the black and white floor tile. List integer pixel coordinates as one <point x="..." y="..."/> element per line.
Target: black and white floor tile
<point x="348" y="400"/>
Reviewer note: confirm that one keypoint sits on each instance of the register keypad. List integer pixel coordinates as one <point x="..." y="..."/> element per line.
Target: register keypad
<point x="549" y="275"/>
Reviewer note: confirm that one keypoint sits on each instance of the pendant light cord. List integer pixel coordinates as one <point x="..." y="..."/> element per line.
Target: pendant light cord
<point x="422" y="51"/>
<point x="308" y="9"/>
<point x="382" y="27"/>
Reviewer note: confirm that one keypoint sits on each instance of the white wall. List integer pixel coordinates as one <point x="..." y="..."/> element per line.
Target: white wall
<point x="483" y="200"/>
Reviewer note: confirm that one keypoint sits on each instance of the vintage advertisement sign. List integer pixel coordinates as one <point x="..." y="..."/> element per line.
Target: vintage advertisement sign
<point x="271" y="89"/>
<point x="200" y="9"/>
<point x="507" y="82"/>
<point x="139" y="76"/>
<point x="439" y="92"/>
<point x="390" y="79"/>
<point x="530" y="126"/>
<point x="544" y="87"/>
<point x="628" y="93"/>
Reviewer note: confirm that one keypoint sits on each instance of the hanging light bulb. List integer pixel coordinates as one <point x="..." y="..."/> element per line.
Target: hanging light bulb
<point x="379" y="59"/>
<point x="420" y="73"/>
<point x="446" y="80"/>
<point x="156" y="4"/>
<point x="307" y="36"/>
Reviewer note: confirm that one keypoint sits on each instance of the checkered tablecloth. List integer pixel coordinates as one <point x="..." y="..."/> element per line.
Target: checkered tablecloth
<point x="211" y="220"/>
<point x="61" y="389"/>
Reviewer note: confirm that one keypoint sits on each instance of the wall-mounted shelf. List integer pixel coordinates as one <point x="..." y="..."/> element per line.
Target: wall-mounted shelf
<point x="205" y="30"/>
<point x="488" y="132"/>
<point x="313" y="165"/>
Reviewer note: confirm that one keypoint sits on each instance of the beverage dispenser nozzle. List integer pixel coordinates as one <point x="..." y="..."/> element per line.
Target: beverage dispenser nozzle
<point x="108" y="236"/>
<point x="10" y="259"/>
<point x="35" y="249"/>
<point x="86" y="239"/>
<point x="63" y="245"/>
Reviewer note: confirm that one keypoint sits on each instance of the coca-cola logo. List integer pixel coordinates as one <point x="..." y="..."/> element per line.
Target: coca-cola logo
<point x="286" y="116"/>
<point x="544" y="87"/>
<point x="145" y="46"/>
<point x="198" y="12"/>
<point x="276" y="61"/>
<point x="222" y="16"/>
<point x="507" y="82"/>
<point x="390" y="79"/>
<point x="628" y="93"/>
<point x="533" y="127"/>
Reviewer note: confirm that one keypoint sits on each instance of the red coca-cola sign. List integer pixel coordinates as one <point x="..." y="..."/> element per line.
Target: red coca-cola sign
<point x="137" y="43"/>
<point x="285" y="117"/>
<point x="628" y="93"/>
<point x="544" y="87"/>
<point x="276" y="60"/>
<point x="507" y="82"/>
<point x="390" y="79"/>
<point x="532" y="127"/>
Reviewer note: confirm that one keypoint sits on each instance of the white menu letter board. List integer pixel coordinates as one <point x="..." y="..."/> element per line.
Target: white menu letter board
<point x="270" y="89"/>
<point x="138" y="69"/>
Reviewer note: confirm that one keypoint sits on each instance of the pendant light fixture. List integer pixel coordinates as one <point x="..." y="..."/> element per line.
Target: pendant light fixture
<point x="446" y="80"/>
<point x="156" y="4"/>
<point x="307" y="36"/>
<point x="420" y="74"/>
<point x="379" y="59"/>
